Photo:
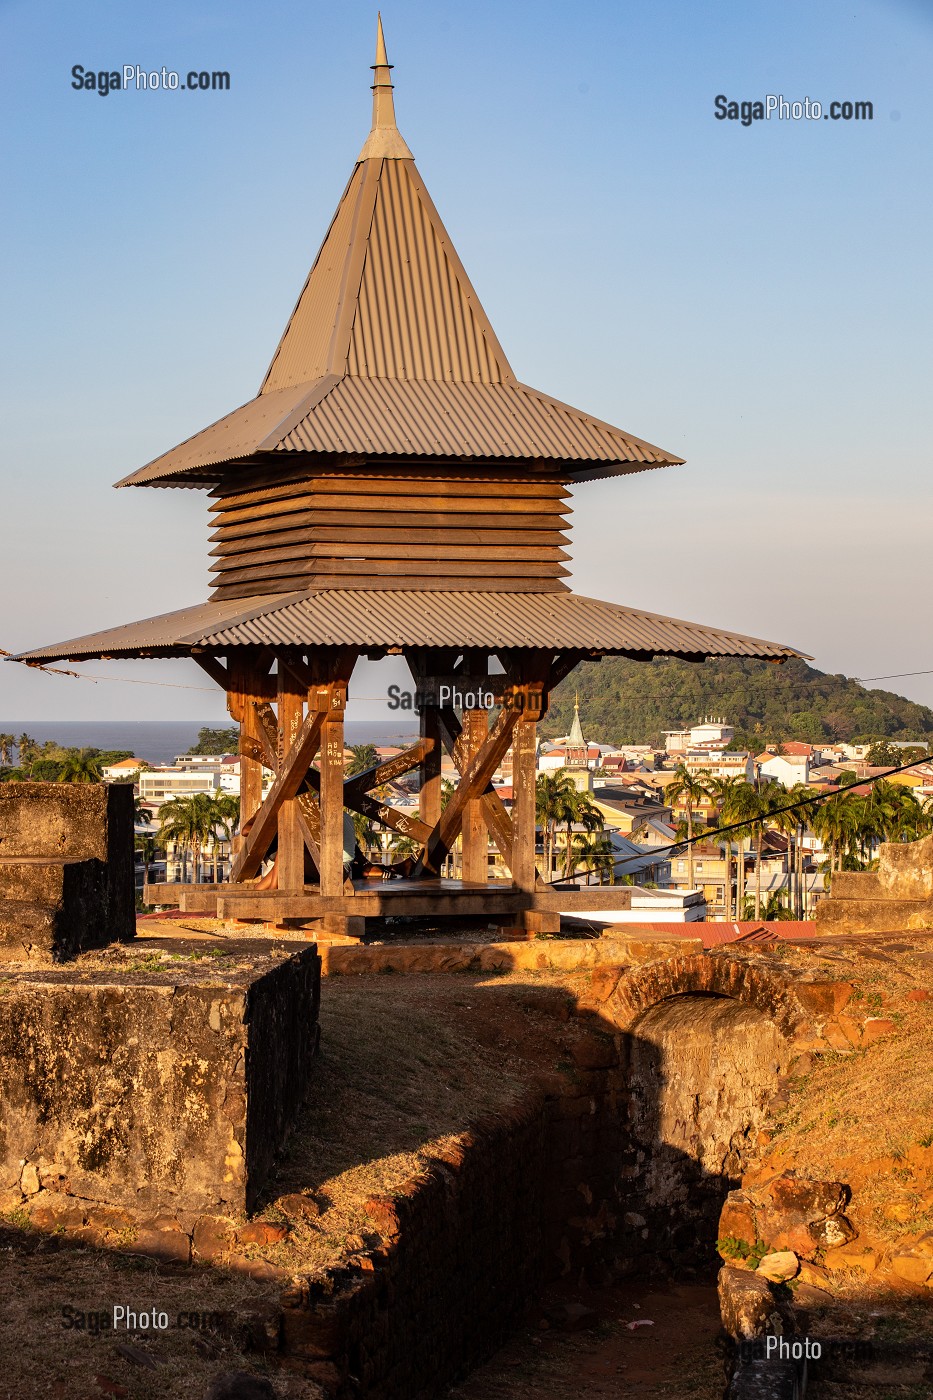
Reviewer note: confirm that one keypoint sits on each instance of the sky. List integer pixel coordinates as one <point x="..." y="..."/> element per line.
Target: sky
<point x="754" y="298"/>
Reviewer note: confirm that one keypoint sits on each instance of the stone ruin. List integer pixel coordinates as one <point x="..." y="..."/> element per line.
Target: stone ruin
<point x="66" y="869"/>
<point x="165" y="1092"/>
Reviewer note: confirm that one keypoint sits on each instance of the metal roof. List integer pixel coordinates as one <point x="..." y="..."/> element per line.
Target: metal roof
<point x="389" y="351"/>
<point x="402" y="618"/>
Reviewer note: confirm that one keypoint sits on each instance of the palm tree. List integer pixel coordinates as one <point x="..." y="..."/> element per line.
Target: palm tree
<point x="80" y="766"/>
<point x="141" y="815"/>
<point x="7" y="742"/>
<point x="189" y="822"/>
<point x="227" y="813"/>
<point x="837" y="823"/>
<point x="578" y="810"/>
<point x="690" y="789"/>
<point x="364" y="756"/>
<point x="723" y="791"/>
<point x="553" y="791"/>
<point x="594" y="852"/>
<point x="27" y="749"/>
<point x="792" y="824"/>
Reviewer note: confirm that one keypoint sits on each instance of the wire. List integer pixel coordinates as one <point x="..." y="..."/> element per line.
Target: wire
<point x="810" y="802"/>
<point x="897" y="676"/>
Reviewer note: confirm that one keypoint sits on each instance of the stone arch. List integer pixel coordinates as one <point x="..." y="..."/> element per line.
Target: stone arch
<point x="704" y="1041"/>
<point x="763" y="988"/>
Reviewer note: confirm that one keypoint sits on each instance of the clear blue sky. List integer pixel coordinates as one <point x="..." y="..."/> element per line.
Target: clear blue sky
<point x="754" y="299"/>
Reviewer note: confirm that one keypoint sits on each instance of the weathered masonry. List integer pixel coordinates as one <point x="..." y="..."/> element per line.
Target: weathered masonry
<point x="393" y="489"/>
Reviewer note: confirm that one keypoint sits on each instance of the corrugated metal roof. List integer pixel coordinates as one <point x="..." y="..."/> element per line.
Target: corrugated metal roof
<point x="413" y="417"/>
<point x="389" y="316"/>
<point x="394" y="618"/>
<point x="433" y="418"/>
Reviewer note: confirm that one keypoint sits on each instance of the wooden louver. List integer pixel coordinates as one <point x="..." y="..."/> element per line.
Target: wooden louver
<point x="390" y="532"/>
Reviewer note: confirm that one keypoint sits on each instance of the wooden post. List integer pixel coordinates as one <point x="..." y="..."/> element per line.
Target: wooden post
<point x="430" y="800"/>
<point x="291" y="846"/>
<point x="524" y="873"/>
<point x="475" y="841"/>
<point x="331" y="799"/>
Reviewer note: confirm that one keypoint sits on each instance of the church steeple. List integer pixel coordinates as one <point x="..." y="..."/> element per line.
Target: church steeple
<point x="575" y="739"/>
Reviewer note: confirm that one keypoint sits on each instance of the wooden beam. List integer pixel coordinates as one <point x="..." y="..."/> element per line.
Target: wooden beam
<point x="212" y="667"/>
<point x="498" y="821"/>
<point x="384" y="772"/>
<point x="474" y="837"/>
<point x="431" y="784"/>
<point x="473" y="783"/>
<point x="331" y="798"/>
<point x="524" y="825"/>
<point x="291" y="845"/>
<point x="402" y="822"/>
<point x="289" y="780"/>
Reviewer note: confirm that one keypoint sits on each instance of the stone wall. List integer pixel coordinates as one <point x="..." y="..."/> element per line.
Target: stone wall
<point x="153" y="1090"/>
<point x="898" y="895"/>
<point x="66" y="869"/>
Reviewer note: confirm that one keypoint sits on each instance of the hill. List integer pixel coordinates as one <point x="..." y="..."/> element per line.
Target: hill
<point x="635" y="701"/>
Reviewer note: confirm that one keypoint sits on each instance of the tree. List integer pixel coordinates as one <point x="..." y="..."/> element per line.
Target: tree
<point x="553" y="792"/>
<point x="364" y="757"/>
<point x="690" y="789"/>
<point x="27" y="750"/>
<point x="217" y="741"/>
<point x="141" y="815"/>
<point x="80" y="766"/>
<point x="723" y="791"/>
<point x="594" y="852"/>
<point x="578" y="810"/>
<point x="7" y="744"/>
<point x="189" y="823"/>
<point x="227" y="813"/>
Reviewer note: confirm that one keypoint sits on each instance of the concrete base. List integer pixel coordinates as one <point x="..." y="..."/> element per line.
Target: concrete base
<point x="155" y="1090"/>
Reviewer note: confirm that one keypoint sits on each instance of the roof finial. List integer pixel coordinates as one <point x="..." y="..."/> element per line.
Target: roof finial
<point x="384" y="141"/>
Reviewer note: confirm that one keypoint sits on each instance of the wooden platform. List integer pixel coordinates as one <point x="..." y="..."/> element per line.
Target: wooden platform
<point x="379" y="898"/>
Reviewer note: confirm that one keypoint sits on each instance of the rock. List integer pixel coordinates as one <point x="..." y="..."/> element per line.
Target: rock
<point x="262" y="1232"/>
<point x="171" y="1246"/>
<point x="213" y="1237"/>
<point x="634" y="1219"/>
<point x="850" y="1028"/>
<point x="901" y="1211"/>
<point x="29" y="1180"/>
<point x="746" y="1305"/>
<point x="808" y="1295"/>
<point x="914" y="1268"/>
<point x="876" y="1027"/>
<point x="809" y="1197"/>
<point x="737" y="1219"/>
<point x="920" y="1158"/>
<point x="852" y="1256"/>
<point x="919" y="994"/>
<point x="823" y="998"/>
<point x="239" y="1385"/>
<point x="298" y="1207"/>
<point x="798" y="1238"/>
<point x="813" y="1274"/>
<point x="836" y="1230"/>
<point x="780" y="1266"/>
<point x="837" y="1039"/>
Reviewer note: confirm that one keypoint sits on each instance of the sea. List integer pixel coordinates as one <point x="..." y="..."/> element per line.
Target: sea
<point x="158" y="741"/>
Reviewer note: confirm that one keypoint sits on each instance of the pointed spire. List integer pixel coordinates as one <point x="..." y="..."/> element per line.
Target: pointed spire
<point x="385" y="140"/>
<point x="575" y="738"/>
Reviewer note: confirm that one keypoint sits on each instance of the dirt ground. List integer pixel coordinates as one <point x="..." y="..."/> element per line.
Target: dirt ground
<point x="650" y="1342"/>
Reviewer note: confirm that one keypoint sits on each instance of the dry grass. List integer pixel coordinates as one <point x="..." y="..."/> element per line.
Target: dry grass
<point x="406" y="1064"/>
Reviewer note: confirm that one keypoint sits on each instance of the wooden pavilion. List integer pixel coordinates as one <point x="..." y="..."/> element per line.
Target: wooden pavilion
<point x="393" y="489"/>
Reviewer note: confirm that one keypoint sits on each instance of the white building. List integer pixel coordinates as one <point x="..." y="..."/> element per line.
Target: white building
<point x="786" y="769"/>
<point x="709" y="733"/>
<point x="162" y="784"/>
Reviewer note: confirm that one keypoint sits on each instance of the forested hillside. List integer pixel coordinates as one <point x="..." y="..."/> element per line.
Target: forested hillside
<point x="636" y="701"/>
